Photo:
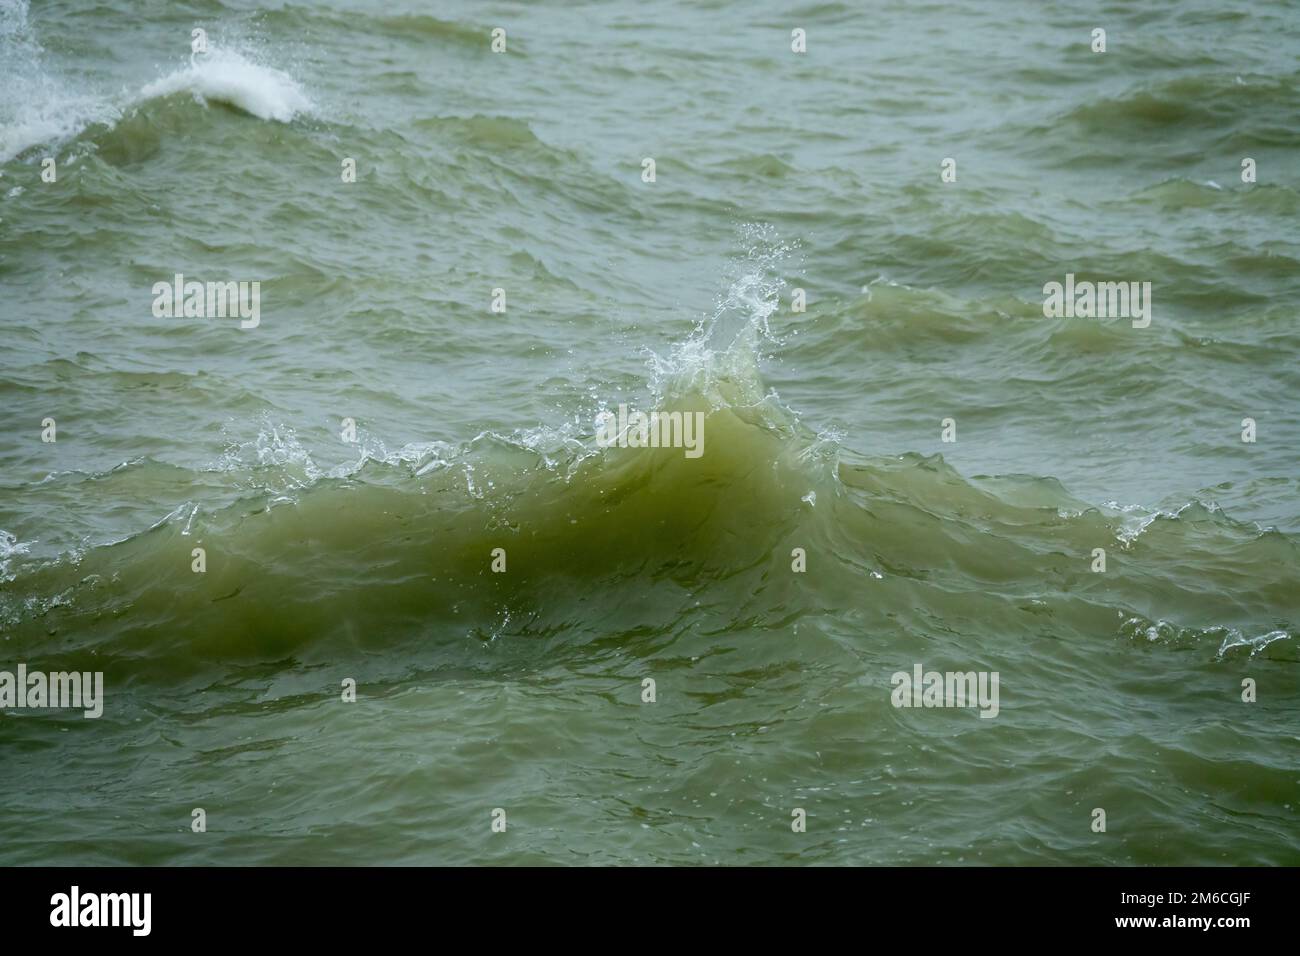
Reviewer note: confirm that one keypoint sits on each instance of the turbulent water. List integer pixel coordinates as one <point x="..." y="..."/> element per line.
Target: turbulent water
<point x="329" y="559"/>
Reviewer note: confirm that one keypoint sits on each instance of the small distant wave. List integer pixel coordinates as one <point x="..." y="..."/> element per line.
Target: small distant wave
<point x="1207" y="100"/>
<point x="407" y="27"/>
<point x="1179" y="193"/>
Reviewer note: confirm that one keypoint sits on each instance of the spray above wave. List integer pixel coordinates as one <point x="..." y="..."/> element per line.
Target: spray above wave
<point x="44" y="108"/>
<point x="718" y="361"/>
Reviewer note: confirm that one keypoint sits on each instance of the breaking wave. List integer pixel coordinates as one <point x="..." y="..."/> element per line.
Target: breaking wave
<point x="395" y="547"/>
<point x="44" y="108"/>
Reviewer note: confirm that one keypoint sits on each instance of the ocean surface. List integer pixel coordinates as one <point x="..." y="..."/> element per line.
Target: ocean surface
<point x="331" y="557"/>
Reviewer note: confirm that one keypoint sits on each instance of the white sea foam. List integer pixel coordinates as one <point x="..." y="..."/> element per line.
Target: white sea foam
<point x="226" y="76"/>
<point x="1237" y="643"/>
<point x="10" y="546"/>
<point x="1139" y="518"/>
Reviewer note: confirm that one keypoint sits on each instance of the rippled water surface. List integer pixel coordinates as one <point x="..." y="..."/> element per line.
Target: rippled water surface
<point x="371" y="560"/>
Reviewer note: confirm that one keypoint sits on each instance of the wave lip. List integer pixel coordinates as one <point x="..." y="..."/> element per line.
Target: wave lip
<point x="225" y="76"/>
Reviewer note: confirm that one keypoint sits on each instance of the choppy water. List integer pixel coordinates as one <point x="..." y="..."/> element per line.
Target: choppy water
<point x="329" y="560"/>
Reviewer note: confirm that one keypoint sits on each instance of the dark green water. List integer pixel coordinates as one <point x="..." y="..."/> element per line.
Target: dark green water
<point x="371" y="559"/>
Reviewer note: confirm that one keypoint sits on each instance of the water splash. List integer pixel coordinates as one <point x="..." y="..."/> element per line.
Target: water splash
<point x="719" y="359"/>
